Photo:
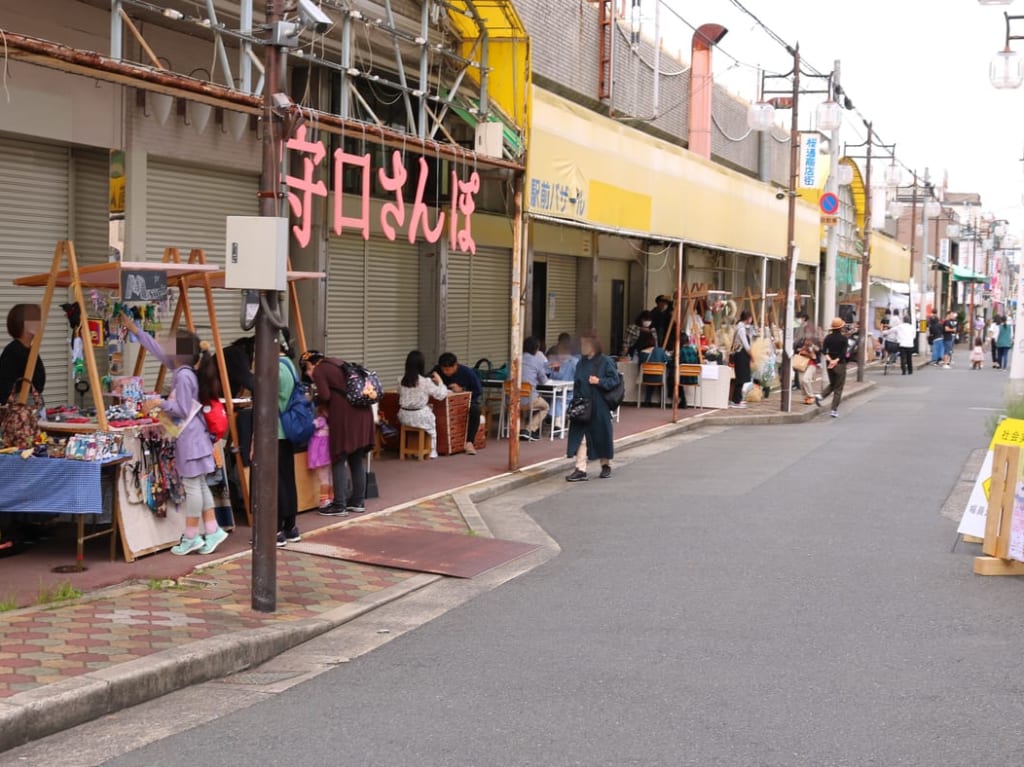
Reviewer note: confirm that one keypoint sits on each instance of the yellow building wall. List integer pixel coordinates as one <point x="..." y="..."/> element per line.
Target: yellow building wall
<point x="586" y="168"/>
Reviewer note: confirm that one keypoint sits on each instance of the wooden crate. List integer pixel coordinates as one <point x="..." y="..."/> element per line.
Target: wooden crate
<point x="452" y="415"/>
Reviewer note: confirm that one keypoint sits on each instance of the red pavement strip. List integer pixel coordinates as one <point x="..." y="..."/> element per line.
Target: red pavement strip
<point x="425" y="551"/>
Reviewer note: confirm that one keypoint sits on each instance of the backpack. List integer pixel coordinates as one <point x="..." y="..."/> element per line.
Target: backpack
<point x="297" y="416"/>
<point x="614" y="396"/>
<point x="362" y="387"/>
<point x="216" y="418"/>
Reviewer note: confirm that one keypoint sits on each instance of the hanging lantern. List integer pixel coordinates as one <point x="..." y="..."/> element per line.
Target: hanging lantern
<point x="894" y="175"/>
<point x="895" y="209"/>
<point x="760" y="116"/>
<point x="994" y="2"/>
<point x="161" y="104"/>
<point x="844" y="174"/>
<point x="953" y="231"/>
<point x="932" y="209"/>
<point x="829" y="115"/>
<point x="1006" y="70"/>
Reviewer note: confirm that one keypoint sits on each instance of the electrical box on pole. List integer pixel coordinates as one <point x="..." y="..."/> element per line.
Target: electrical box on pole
<point x="256" y="253"/>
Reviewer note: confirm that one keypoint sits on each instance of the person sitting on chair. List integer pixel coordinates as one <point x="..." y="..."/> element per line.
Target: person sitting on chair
<point x="648" y="351"/>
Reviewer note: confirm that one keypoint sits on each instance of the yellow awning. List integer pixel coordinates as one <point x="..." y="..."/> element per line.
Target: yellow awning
<point x="507" y="64"/>
<point x="890" y="260"/>
<point x="583" y="167"/>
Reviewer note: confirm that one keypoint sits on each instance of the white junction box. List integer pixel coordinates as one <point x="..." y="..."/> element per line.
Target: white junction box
<point x="490" y="139"/>
<point x="256" y="253"/>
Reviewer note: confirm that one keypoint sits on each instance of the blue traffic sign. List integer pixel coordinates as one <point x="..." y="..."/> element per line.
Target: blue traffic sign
<point x="829" y="204"/>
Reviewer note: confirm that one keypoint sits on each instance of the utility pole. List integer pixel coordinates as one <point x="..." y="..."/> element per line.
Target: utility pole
<point x="832" y="235"/>
<point x="786" y="393"/>
<point x="263" y="472"/>
<point x="865" y="261"/>
<point x="925" y="244"/>
<point x="914" y="319"/>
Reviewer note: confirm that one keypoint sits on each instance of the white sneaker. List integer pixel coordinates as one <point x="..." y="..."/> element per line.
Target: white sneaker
<point x="470" y="449"/>
<point x="834" y="414"/>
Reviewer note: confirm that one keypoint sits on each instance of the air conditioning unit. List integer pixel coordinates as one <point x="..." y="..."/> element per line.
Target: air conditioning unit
<point x="490" y="139"/>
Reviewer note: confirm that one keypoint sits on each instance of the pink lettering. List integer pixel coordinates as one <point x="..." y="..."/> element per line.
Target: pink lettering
<point x="301" y="200"/>
<point x="419" y="217"/>
<point x="340" y="220"/>
<point x="393" y="183"/>
<point x="463" y="203"/>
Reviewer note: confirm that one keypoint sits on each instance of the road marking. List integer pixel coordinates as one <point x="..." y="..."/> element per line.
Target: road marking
<point x="987" y="409"/>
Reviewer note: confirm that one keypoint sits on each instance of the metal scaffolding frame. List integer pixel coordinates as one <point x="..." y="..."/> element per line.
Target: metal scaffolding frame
<point x="425" y="68"/>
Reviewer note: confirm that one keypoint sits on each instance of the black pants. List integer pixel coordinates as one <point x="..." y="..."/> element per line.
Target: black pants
<point x="287" y="495"/>
<point x="474" y="422"/>
<point x="741" y="365"/>
<point x="349" y="476"/>
<point x="907" y="359"/>
<point x="995" y="351"/>
<point x="836" y="384"/>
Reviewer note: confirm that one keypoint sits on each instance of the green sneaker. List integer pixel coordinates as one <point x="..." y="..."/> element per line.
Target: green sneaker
<point x="187" y="545"/>
<point x="213" y="540"/>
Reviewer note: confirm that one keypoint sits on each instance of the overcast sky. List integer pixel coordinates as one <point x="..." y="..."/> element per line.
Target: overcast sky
<point x="917" y="68"/>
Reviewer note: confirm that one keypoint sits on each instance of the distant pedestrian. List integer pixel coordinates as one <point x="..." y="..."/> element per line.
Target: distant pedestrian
<point x="835" y="348"/>
<point x="1004" y="341"/>
<point x="993" y="334"/>
<point x="978" y="353"/>
<point x="935" y="338"/>
<point x="950" y="328"/>
<point x="596" y="374"/>
<point x="741" y="357"/>
<point x="905" y="334"/>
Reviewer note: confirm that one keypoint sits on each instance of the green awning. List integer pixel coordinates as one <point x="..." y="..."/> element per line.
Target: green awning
<point x="963" y="274"/>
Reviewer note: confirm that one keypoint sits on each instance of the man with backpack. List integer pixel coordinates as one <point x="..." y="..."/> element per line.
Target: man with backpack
<point x="459" y="378"/>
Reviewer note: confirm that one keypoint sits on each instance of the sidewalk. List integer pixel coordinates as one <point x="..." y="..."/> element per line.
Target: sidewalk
<point x="67" y="663"/>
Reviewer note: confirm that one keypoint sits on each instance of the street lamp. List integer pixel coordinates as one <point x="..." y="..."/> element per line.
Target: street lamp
<point x="994" y="2"/>
<point x="829" y="115"/>
<point x="760" y="116"/>
<point x="932" y="209"/>
<point x="894" y="175"/>
<point x="1006" y="69"/>
<point x="844" y="174"/>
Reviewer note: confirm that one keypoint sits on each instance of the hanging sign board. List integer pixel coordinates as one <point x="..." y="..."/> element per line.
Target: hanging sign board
<point x="143" y="286"/>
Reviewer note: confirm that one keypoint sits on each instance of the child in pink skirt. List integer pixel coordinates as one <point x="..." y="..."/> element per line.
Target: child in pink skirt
<point x="318" y="457"/>
<point x="977" y="353"/>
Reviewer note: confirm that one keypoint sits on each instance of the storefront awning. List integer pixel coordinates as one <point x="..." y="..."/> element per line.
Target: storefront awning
<point x="902" y="288"/>
<point x="936" y="264"/>
<point x="963" y="274"/>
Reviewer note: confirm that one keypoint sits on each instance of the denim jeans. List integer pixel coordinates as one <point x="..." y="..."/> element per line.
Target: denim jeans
<point x="938" y="350"/>
<point x="1004" y="356"/>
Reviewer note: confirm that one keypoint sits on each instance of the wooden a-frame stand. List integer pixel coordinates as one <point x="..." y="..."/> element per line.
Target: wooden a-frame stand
<point x="999" y="519"/>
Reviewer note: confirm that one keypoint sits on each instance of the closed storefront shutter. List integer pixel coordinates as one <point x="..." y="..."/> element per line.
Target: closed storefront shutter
<point x="562" y="274"/>
<point x="392" y="311"/>
<point x="346" y="299"/>
<point x="186" y="208"/>
<point x="457" y="316"/>
<point x="373" y="304"/>
<point x="34" y="200"/>
<point x="490" y="305"/>
<point x="90" y="226"/>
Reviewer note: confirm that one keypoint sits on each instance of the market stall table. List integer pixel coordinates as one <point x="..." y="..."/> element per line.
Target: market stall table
<point x="59" y="486"/>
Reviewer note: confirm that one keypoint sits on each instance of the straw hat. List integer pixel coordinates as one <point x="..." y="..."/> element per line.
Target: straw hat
<point x="838" y="323"/>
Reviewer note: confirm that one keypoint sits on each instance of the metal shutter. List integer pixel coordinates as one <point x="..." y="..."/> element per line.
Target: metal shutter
<point x="457" y="314"/>
<point x="90" y="226"/>
<point x="490" y="305"/>
<point x="186" y="208"/>
<point x="562" y="275"/>
<point x="346" y="298"/>
<point x="392" y="308"/>
<point x="34" y="198"/>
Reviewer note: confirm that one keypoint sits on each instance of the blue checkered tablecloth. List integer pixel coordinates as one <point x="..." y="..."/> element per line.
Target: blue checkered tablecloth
<point x="49" y="486"/>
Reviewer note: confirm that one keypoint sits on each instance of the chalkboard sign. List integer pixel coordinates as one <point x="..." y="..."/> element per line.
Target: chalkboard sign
<point x="143" y="286"/>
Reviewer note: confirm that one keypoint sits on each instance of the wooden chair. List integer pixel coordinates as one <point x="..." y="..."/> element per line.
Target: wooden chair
<point x="525" y="392"/>
<point x="414" y="443"/>
<point x="650" y="369"/>
<point x="690" y="375"/>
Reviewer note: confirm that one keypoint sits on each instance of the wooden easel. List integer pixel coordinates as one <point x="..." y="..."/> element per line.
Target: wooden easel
<point x="65" y="252"/>
<point x="749" y="300"/>
<point x="1006" y="470"/>
<point x="693" y="305"/>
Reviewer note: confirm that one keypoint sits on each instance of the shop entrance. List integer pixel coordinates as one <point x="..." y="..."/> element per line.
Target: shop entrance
<point x="539" y="312"/>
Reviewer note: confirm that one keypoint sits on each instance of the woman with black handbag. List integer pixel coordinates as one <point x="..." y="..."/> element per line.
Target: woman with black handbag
<point x="590" y="414"/>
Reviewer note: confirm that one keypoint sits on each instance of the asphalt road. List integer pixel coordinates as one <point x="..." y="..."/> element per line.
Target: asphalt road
<point x="764" y="596"/>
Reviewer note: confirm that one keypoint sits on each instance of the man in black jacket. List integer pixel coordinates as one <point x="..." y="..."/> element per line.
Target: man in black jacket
<point x="835" y="348"/>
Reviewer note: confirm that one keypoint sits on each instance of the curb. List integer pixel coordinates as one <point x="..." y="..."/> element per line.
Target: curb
<point x="52" y="708"/>
<point x="62" y="705"/>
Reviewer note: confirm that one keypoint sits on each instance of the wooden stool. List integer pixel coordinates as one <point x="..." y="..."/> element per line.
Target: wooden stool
<point x="420" y="447"/>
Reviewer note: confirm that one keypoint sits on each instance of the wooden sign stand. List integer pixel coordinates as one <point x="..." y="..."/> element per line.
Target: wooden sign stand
<point x="998" y="520"/>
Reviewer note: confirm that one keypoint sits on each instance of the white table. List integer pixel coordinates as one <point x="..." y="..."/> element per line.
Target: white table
<point x="557" y="392"/>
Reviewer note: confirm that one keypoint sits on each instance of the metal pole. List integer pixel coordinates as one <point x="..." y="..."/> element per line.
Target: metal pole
<point x="516" y="334"/>
<point x="914" y="318"/>
<point x="974" y="263"/>
<point x="116" y="31"/>
<point x="791" y="252"/>
<point x="344" y="94"/>
<point x="679" y="333"/>
<point x="832" y="233"/>
<point x="865" y="261"/>
<point x="421" y="127"/>
<point x="657" y="58"/>
<point x="245" y="49"/>
<point x="263" y="473"/>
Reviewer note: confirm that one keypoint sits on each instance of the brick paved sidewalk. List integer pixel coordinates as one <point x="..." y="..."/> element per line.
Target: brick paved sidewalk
<point x="43" y="645"/>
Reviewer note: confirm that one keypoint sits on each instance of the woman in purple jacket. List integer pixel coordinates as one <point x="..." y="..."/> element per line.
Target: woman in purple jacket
<point x="194" y="383"/>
